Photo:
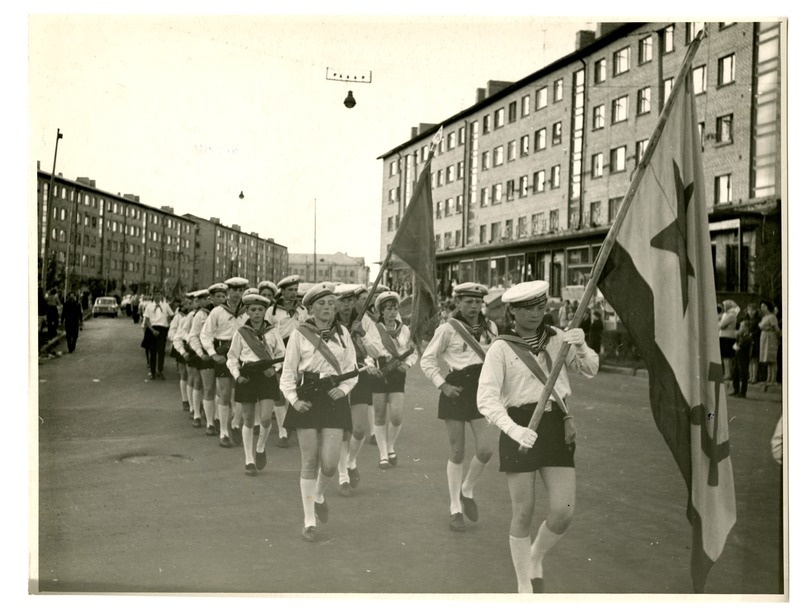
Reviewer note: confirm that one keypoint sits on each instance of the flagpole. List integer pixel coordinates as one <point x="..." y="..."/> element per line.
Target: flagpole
<point x="613" y="233"/>
<point x="390" y="250"/>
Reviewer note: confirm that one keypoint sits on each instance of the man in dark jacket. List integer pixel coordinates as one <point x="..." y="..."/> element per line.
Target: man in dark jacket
<point x="72" y="318"/>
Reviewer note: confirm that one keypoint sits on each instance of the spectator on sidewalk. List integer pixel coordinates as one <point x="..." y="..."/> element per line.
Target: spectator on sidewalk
<point x="72" y="318"/>
<point x="769" y="340"/>
<point x="727" y="332"/>
<point x="53" y="305"/>
<point x="595" y="332"/>
<point x="743" y="351"/>
<point x="753" y="317"/>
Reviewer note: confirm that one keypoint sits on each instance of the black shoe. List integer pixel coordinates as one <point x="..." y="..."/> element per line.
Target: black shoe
<point x="197" y="423"/>
<point x="283" y="441"/>
<point x="355" y="477"/>
<point x="321" y="510"/>
<point x="469" y="507"/>
<point x="249" y="470"/>
<point x="235" y="435"/>
<point x="209" y="431"/>
<point x="186" y="406"/>
<point x="392" y="459"/>
<point x="538" y="585"/>
<point x="260" y="459"/>
<point x="309" y="534"/>
<point x="161" y="376"/>
<point x="225" y="442"/>
<point x="456" y="522"/>
<point x="345" y="489"/>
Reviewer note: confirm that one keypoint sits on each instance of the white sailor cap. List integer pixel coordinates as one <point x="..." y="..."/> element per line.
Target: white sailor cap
<point x="388" y="295"/>
<point x="315" y="292"/>
<point x="253" y="297"/>
<point x="268" y="284"/>
<point x="470" y="289"/>
<point x="379" y="290"/>
<point x="200" y="293"/>
<point x="527" y="294"/>
<point x="360" y="289"/>
<point x="249" y="291"/>
<point x="346" y="290"/>
<point x="217" y="287"/>
<point x="237" y="282"/>
<point x="288" y="281"/>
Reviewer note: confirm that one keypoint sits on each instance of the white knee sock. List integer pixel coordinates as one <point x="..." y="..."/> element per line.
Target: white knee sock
<point x="183" y="395"/>
<point x="476" y="468"/>
<point x="544" y="541"/>
<point x="223" y="411"/>
<point x="280" y="414"/>
<point x="307" y="487"/>
<point x="321" y="485"/>
<point x="393" y="433"/>
<point x="343" y="475"/>
<point x="266" y="427"/>
<point x="197" y="400"/>
<point x="354" y="448"/>
<point x="380" y="436"/>
<point x="520" y="554"/>
<point x="246" y="442"/>
<point x="454" y="476"/>
<point x="209" y="406"/>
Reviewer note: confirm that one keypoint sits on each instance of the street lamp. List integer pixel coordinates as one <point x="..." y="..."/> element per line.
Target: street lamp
<point x="58" y="137"/>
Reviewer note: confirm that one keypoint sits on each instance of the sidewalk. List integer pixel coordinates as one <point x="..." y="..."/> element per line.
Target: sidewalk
<point x="756" y="391"/>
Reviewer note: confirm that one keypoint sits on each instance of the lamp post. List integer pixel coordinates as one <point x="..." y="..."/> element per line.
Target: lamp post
<point x="314" y="240"/>
<point x="46" y="241"/>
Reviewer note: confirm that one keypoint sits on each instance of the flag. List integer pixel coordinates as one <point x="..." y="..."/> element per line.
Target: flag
<point x="659" y="279"/>
<point x="414" y="243"/>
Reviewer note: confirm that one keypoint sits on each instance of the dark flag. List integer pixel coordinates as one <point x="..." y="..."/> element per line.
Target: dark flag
<point x="659" y="279"/>
<point x="414" y="243"/>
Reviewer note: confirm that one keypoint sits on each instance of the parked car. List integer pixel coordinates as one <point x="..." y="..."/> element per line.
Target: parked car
<point x="107" y="305"/>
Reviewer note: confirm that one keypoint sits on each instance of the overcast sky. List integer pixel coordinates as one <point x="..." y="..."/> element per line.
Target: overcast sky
<point x="188" y="110"/>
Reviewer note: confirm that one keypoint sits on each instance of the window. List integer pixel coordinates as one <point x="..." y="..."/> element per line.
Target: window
<point x="724" y="129"/>
<point x="486" y="124"/>
<point x="524" y="145"/>
<point x="596" y="212"/>
<point x="600" y="70"/>
<point x="668" y="85"/>
<point x="727" y="70"/>
<point x="499" y="155"/>
<point x="512" y="148"/>
<point x="619" y="110"/>
<point x="640" y="148"/>
<point x="692" y="30"/>
<point x="438" y="210"/>
<point x="667" y="39"/>
<point x="510" y="189"/>
<point x="496" y="194"/>
<point x="459" y="203"/>
<point x="557" y="91"/>
<point x="621" y="61"/>
<point x="483" y="196"/>
<point x="512" y="112"/>
<point x="523" y="186"/>
<point x="645" y="50"/>
<point x="614" y="204"/>
<point x="554" y="222"/>
<point x="539" y="181"/>
<point x="557" y="133"/>
<point x="599" y="117"/>
<point x="451" y="140"/>
<point x="700" y="79"/>
<point x="541" y="98"/>
<point x="618" y="159"/>
<point x="447" y="240"/>
<point x="461" y="135"/>
<point x="438" y="242"/>
<point x="540" y="139"/>
<point x="723" y="189"/>
<point x="597" y="161"/>
<point x="440" y="178"/>
<point x="457" y="238"/>
<point x="449" y="207"/>
<point x="486" y="160"/>
<point x="521" y="226"/>
<point x="525" y="105"/>
<point x="459" y="171"/>
<point x="390" y="226"/>
<point x="554" y="177"/>
<point x="499" y="118"/>
<point x="644" y="104"/>
<point x="450" y="174"/>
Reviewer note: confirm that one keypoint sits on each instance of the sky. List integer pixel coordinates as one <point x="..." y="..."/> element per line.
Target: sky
<point x="189" y="111"/>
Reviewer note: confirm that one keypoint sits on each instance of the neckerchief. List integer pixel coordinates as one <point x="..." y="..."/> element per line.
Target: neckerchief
<point x="389" y="337"/>
<point x="470" y="340"/>
<point x="235" y="313"/>
<point x="482" y="327"/>
<point x="539" y="340"/>
<point x="309" y="330"/>
<point x="255" y="339"/>
<point x="280" y="303"/>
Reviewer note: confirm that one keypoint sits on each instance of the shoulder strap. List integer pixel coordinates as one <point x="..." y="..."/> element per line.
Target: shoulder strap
<point x="521" y="349"/>
<point x="467" y="336"/>
<point x="388" y="341"/>
<point x="257" y="346"/>
<point x="316" y="340"/>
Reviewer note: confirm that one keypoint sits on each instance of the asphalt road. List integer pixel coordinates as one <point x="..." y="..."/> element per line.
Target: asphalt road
<point x="133" y="499"/>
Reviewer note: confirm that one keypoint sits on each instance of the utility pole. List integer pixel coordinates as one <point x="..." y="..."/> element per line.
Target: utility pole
<point x="73" y="216"/>
<point x="314" y="240"/>
<point x="47" y="213"/>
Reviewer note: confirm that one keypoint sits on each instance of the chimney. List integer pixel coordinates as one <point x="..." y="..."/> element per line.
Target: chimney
<point x="215" y="220"/>
<point x="583" y="39"/>
<point x="414" y="132"/>
<point x="236" y="227"/>
<point x="255" y="234"/>
<point x="168" y="209"/>
<point x="133" y="197"/>
<point x="481" y="94"/>
<point x="497" y="86"/>
<point x="424" y="127"/>
<point x="605" y="28"/>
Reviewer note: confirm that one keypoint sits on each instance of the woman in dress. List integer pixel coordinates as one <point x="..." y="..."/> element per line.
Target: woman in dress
<point x="769" y="340"/>
<point x="317" y="349"/>
<point x="728" y="328"/>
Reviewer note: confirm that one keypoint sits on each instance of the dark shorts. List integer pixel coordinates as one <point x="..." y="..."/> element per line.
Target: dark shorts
<point x="362" y="392"/>
<point x="550" y="448"/>
<point x="391" y="382"/>
<point x="259" y="387"/>
<point x="324" y="413"/>
<point x="464" y="407"/>
<point x="200" y="364"/>
<point x="221" y="370"/>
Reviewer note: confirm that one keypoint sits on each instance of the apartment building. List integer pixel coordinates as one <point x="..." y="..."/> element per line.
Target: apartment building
<point x="336" y="267"/>
<point x="527" y="180"/>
